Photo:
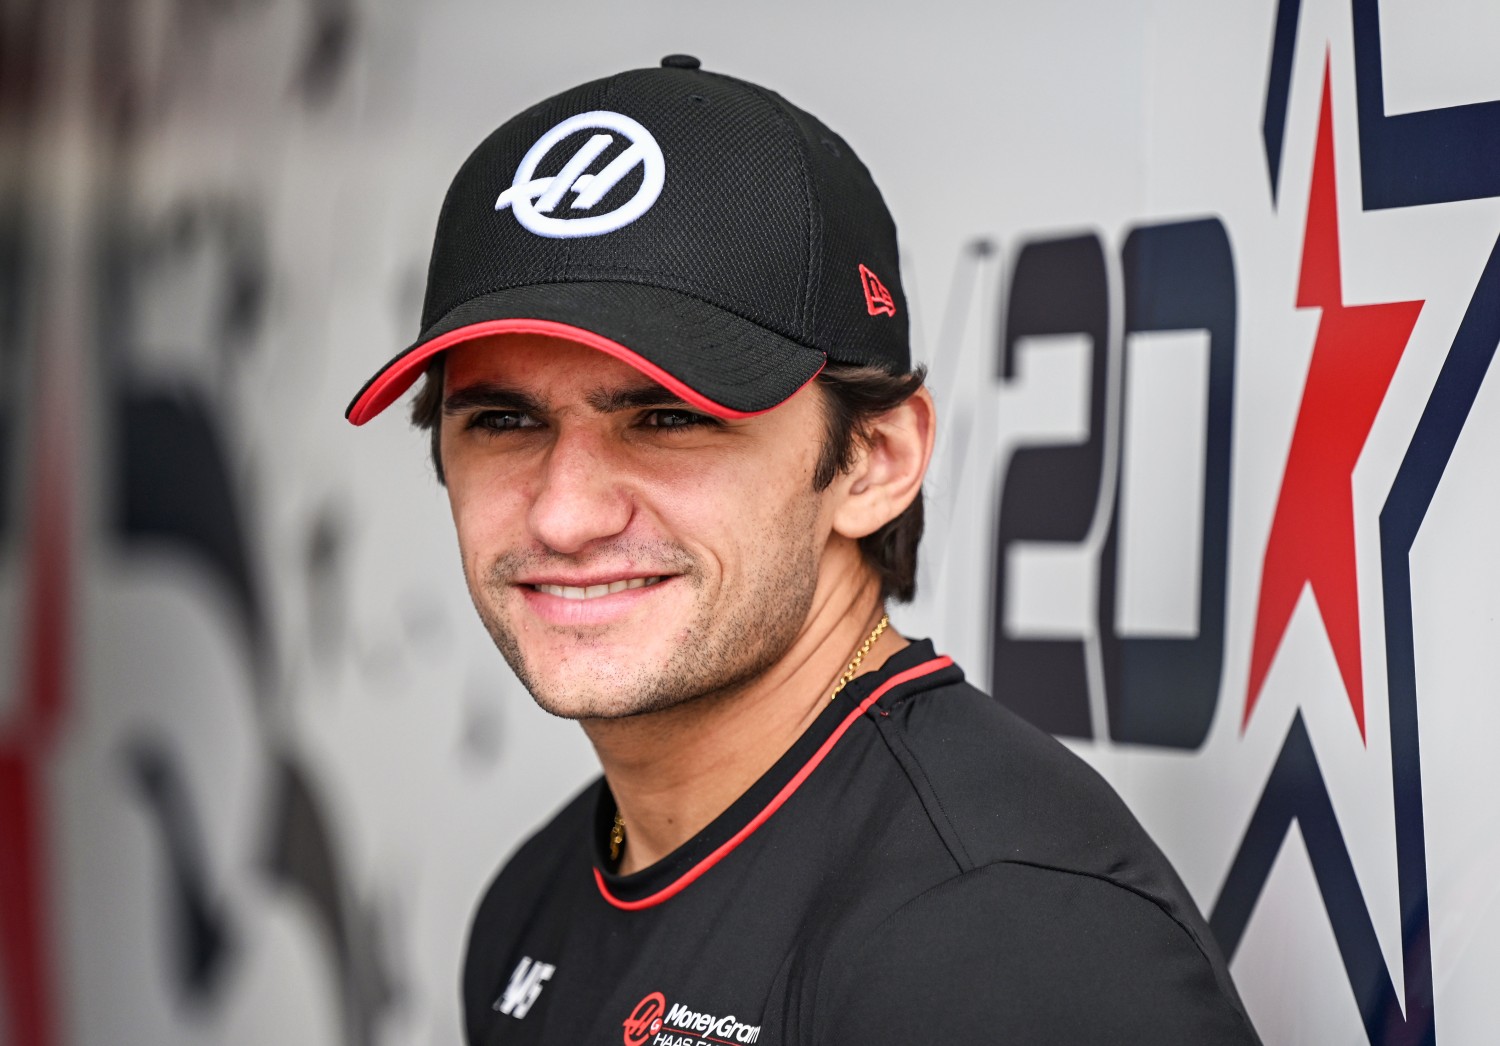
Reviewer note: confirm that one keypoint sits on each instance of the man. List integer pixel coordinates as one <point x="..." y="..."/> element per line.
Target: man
<point x="670" y="393"/>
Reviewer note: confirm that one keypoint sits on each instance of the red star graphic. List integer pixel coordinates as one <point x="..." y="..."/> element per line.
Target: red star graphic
<point x="1312" y="533"/>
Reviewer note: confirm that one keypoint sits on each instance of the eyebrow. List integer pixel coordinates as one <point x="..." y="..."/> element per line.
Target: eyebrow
<point x="605" y="401"/>
<point x="496" y="397"/>
<point x="633" y="397"/>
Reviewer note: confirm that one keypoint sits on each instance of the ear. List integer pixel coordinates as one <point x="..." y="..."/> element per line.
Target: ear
<point x="888" y="468"/>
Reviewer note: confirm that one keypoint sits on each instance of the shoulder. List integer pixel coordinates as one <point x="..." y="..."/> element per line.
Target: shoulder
<point x="998" y="789"/>
<point x="529" y="871"/>
<point x="1044" y="954"/>
<point x="1036" y="833"/>
<point x="522" y="884"/>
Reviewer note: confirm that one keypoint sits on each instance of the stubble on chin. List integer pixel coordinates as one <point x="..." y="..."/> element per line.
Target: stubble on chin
<point x="723" y="645"/>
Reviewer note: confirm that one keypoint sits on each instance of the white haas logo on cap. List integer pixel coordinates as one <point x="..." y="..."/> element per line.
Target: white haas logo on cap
<point x="532" y="199"/>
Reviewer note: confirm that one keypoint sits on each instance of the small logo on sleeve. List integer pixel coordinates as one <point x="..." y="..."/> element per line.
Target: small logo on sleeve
<point x="878" y="300"/>
<point x="526" y="983"/>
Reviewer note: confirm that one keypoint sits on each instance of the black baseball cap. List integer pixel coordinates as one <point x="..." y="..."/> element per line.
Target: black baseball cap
<point x="702" y="229"/>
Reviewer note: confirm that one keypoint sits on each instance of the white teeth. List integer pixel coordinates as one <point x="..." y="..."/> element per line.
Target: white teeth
<point x="594" y="591"/>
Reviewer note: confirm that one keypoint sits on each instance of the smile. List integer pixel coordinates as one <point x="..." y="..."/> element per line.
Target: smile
<point x="595" y="591"/>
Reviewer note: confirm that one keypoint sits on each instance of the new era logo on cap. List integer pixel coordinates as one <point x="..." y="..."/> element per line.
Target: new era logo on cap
<point x="878" y="300"/>
<point x="532" y="199"/>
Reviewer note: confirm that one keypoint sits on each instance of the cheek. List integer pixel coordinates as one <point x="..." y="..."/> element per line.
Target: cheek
<point x="488" y="514"/>
<point x="744" y="520"/>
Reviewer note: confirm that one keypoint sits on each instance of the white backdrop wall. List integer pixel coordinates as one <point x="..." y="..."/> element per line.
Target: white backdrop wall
<point x="1213" y="503"/>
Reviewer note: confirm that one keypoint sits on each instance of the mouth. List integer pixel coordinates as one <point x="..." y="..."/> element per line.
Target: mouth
<point x="578" y="592"/>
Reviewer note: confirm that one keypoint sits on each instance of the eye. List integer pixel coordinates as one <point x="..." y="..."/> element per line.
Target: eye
<point x="501" y="420"/>
<point x="675" y="418"/>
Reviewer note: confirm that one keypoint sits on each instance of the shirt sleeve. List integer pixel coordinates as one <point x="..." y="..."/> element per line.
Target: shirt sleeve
<point x="1013" y="953"/>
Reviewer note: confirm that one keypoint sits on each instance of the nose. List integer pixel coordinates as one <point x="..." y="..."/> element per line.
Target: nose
<point x="581" y="498"/>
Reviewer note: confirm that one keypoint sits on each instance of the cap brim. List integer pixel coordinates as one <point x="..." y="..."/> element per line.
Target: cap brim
<point x="716" y="361"/>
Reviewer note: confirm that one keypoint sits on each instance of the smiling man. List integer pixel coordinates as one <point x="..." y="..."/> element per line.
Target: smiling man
<point x="669" y="389"/>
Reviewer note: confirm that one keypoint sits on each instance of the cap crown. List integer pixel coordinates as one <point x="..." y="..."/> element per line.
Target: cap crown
<point x="759" y="210"/>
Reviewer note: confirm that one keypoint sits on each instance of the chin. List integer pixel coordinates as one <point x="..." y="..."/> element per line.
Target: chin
<point x="589" y="680"/>
<point x="580" y="700"/>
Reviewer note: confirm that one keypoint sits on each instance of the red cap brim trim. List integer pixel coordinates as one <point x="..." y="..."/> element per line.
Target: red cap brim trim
<point x="388" y="386"/>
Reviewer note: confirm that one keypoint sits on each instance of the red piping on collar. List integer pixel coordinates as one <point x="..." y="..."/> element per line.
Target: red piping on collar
<point x="688" y="877"/>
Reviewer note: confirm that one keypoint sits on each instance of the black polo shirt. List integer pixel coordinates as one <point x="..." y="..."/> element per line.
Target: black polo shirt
<point x="921" y="866"/>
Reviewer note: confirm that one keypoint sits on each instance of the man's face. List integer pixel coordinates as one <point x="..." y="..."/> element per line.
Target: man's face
<point x="626" y="552"/>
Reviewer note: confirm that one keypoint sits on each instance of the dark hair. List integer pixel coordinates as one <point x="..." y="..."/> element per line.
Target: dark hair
<point x="853" y="397"/>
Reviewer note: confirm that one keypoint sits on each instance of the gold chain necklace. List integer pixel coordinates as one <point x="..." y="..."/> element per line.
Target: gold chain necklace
<point x="617" y="830"/>
<point x="859" y="655"/>
<point x="616" y="837"/>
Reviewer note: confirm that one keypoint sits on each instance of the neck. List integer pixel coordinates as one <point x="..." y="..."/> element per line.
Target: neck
<point x="672" y="772"/>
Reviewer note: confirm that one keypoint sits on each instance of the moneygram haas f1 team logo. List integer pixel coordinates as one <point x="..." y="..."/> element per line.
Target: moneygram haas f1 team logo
<point x="653" y="1021"/>
<point x="535" y="200"/>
